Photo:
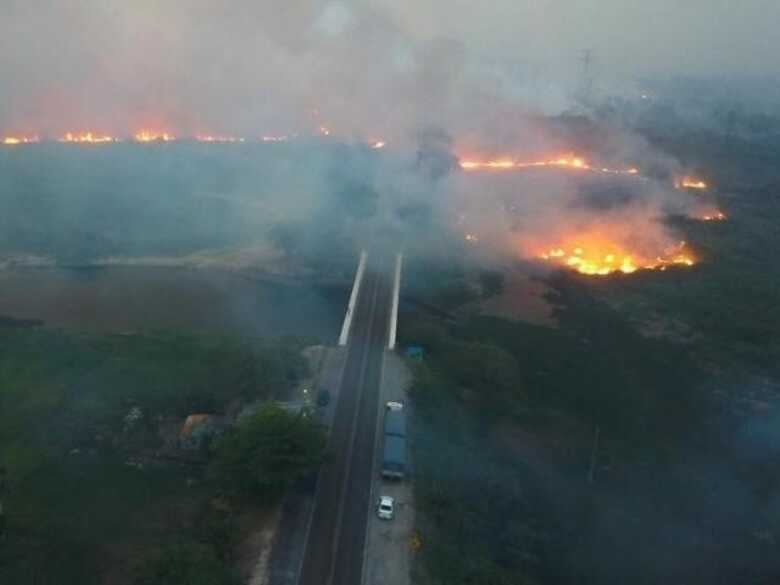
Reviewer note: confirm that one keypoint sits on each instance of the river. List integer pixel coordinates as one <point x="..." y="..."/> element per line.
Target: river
<point x="122" y="299"/>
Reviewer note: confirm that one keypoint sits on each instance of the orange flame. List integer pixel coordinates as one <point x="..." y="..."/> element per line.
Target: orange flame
<point x="594" y="255"/>
<point x="712" y="215"/>
<point x="14" y="140"/>
<point x="151" y="136"/>
<point x="690" y="183"/>
<point x="87" y="137"/>
<point x="218" y="139"/>
<point x="564" y="162"/>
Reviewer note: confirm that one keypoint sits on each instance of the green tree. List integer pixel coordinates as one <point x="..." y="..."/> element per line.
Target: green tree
<point x="485" y="368"/>
<point x="269" y="450"/>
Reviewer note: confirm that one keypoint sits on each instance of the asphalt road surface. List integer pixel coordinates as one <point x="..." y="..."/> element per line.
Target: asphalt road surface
<point x="334" y="548"/>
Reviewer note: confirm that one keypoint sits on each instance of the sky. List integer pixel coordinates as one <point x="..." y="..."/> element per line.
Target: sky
<point x="628" y="36"/>
<point x="371" y="67"/>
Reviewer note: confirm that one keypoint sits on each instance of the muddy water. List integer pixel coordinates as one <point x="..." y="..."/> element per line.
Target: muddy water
<point x="119" y="299"/>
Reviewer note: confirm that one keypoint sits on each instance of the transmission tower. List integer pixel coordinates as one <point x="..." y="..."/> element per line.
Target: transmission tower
<point x="586" y="90"/>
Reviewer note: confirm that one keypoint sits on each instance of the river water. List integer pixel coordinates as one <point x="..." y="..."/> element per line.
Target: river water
<point x="123" y="299"/>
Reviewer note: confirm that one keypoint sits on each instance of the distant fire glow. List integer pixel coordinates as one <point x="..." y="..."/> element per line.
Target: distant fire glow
<point x="596" y="255"/>
<point x="563" y="162"/>
<point x="14" y="140"/>
<point x="691" y="183"/>
<point x="151" y="136"/>
<point x="218" y="139"/>
<point x="711" y="215"/>
<point x="87" y="138"/>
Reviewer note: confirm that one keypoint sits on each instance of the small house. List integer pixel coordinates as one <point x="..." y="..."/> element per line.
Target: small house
<point x="199" y="430"/>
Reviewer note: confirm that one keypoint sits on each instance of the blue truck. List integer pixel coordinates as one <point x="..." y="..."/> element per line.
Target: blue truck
<point x="394" y="447"/>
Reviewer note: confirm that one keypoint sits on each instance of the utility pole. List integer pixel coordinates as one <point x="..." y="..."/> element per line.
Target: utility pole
<point x="2" y="511"/>
<point x="594" y="456"/>
<point x="586" y="90"/>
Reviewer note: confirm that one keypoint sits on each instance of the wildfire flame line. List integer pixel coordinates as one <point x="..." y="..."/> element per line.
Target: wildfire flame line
<point x="218" y="139"/>
<point x="15" y="140"/>
<point x="162" y="132"/>
<point x="151" y="136"/>
<point x="507" y="164"/>
<point x="87" y="137"/>
<point x="691" y="183"/>
<point x="604" y="263"/>
<point x="713" y="216"/>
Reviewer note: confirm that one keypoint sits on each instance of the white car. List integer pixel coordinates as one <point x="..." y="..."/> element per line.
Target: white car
<point x="385" y="507"/>
<point x="393" y="405"/>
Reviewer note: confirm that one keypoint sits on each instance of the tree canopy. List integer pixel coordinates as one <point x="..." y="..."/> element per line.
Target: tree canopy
<point x="269" y="450"/>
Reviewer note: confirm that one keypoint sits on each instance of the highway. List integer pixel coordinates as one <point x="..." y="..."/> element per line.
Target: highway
<point x="334" y="547"/>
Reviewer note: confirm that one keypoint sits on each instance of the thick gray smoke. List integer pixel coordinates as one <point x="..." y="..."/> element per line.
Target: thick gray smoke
<point x="436" y="82"/>
<point x="371" y="68"/>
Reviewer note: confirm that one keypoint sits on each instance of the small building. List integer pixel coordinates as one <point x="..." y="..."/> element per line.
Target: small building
<point x="297" y="407"/>
<point x="414" y="352"/>
<point x="303" y="408"/>
<point x="199" y="430"/>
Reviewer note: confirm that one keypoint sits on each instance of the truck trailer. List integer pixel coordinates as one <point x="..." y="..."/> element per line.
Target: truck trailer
<point x="394" y="457"/>
<point x="394" y="451"/>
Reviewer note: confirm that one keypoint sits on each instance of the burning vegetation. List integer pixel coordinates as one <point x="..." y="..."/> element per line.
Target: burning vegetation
<point x="618" y="229"/>
<point x="710" y="214"/>
<point x="153" y="136"/>
<point x="87" y="138"/>
<point x="562" y="162"/>
<point x="691" y="183"/>
<point x="595" y="255"/>
<point x="14" y="140"/>
<point x="218" y="139"/>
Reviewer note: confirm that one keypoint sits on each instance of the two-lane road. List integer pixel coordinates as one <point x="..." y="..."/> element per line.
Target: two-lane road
<point x="334" y="547"/>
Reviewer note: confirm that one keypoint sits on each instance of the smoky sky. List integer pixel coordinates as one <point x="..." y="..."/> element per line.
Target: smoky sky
<point x="378" y="68"/>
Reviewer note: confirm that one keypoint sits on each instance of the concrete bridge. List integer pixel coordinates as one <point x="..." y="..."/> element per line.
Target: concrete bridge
<point x="333" y="525"/>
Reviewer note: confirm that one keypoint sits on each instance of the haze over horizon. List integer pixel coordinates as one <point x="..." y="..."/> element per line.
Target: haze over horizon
<point x="371" y="68"/>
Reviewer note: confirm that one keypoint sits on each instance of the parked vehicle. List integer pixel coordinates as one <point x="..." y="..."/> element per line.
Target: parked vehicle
<point x="394" y="452"/>
<point x="394" y="457"/>
<point x="395" y="423"/>
<point x="385" y="507"/>
<point x="323" y="398"/>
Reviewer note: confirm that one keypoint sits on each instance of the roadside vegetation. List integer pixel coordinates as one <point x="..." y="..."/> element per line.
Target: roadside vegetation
<point x="268" y="451"/>
<point x="98" y="486"/>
